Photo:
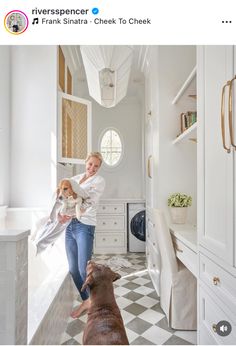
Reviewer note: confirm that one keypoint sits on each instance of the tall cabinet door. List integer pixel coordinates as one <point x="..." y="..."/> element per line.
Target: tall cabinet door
<point x="216" y="189"/>
<point x="148" y="141"/>
<point x="234" y="119"/>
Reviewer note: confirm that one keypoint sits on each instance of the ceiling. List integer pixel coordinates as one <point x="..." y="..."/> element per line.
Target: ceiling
<point x="73" y="56"/>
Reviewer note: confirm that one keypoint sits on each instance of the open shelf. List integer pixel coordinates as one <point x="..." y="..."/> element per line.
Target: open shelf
<point x="190" y="134"/>
<point x="185" y="85"/>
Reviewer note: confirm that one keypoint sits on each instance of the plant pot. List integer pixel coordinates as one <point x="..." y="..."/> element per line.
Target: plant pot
<point x="178" y="214"/>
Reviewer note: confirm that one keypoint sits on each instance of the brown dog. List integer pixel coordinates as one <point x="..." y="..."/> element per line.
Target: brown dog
<point x="71" y="202"/>
<point x="65" y="189"/>
<point x="104" y="325"/>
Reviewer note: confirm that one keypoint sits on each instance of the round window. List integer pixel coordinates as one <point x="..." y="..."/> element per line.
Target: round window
<point x="111" y="147"/>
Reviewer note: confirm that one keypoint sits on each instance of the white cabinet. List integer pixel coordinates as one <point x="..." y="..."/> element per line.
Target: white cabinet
<point x="152" y="251"/>
<point x="216" y="222"/>
<point x="14" y="287"/>
<point x="74" y="128"/>
<point x="111" y="229"/>
<point x="216" y="192"/>
<point x="212" y="310"/>
<point x="149" y="119"/>
<point x="169" y="168"/>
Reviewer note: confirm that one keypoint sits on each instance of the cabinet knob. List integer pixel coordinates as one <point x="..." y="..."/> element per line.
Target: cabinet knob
<point x="103" y="208"/>
<point x="216" y="280"/>
<point x="115" y="208"/>
<point x="115" y="240"/>
<point x="104" y="223"/>
<point x="103" y="239"/>
<point x="115" y="223"/>
<point x="154" y="244"/>
<point x="154" y="265"/>
<point x="214" y="327"/>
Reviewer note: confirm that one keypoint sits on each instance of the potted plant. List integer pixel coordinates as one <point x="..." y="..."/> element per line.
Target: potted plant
<point x="179" y="203"/>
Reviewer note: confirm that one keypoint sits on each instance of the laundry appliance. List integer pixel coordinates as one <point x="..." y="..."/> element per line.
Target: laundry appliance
<point x="136" y="227"/>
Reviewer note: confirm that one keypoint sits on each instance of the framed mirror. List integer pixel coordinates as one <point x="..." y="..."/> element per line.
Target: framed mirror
<point x="74" y="128"/>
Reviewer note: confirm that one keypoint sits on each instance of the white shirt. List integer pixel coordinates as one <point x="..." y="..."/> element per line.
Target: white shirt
<point x="94" y="187"/>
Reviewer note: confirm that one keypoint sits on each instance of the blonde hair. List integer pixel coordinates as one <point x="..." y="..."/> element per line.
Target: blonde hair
<point x="95" y="154"/>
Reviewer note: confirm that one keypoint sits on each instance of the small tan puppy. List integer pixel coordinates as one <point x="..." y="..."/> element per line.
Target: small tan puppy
<point x="71" y="202"/>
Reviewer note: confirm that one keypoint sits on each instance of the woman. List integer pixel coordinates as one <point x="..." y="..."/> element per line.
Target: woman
<point x="80" y="234"/>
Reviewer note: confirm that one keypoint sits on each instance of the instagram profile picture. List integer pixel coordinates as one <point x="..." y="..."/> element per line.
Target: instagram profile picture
<point x="16" y="22"/>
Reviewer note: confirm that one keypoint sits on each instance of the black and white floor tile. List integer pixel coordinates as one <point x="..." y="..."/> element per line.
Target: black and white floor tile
<point x="136" y="297"/>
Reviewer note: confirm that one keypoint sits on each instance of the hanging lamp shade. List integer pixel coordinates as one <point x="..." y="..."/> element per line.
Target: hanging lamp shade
<point x="107" y="70"/>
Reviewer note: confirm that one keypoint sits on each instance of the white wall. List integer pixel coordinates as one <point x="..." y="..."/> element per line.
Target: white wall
<point x="4" y="124"/>
<point x="126" y="180"/>
<point x="33" y="125"/>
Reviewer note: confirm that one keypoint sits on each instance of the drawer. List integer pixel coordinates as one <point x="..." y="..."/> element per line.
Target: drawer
<point x="221" y="282"/>
<point x="153" y="257"/>
<point x="110" y="239"/>
<point x="151" y="231"/>
<point x="187" y="256"/>
<point x="211" y="312"/>
<point x="111" y="208"/>
<point x="110" y="222"/>
<point x="153" y="265"/>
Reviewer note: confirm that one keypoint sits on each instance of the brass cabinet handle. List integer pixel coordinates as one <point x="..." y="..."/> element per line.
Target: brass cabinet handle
<point x="214" y="327"/>
<point x="216" y="280"/>
<point x="178" y="249"/>
<point x="230" y="107"/>
<point x="223" y="116"/>
<point x="149" y="166"/>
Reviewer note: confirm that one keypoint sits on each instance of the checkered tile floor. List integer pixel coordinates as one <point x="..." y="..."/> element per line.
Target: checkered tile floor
<point x="136" y="297"/>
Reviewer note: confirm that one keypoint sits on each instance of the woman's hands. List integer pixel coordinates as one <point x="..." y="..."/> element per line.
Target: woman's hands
<point x="63" y="218"/>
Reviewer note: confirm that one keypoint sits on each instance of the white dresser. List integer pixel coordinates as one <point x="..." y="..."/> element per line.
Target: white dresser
<point x="111" y="229"/>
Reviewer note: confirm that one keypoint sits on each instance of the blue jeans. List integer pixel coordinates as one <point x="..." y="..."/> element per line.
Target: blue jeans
<point x="79" y="246"/>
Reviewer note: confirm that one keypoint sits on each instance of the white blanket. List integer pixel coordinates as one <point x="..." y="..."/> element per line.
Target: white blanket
<point x="50" y="229"/>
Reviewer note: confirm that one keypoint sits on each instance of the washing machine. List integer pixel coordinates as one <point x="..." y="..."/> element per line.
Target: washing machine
<point x="136" y="227"/>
